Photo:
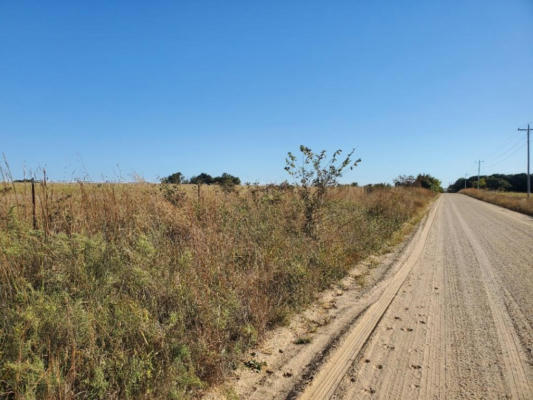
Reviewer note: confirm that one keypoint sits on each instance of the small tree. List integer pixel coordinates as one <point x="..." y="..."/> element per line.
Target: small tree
<point x="405" y="180"/>
<point x="428" y="182"/>
<point x="315" y="175"/>
<point x="203" y="178"/>
<point x="176" y="178"/>
<point x="227" y="180"/>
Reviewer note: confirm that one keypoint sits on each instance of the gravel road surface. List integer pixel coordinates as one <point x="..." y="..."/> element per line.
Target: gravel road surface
<point x="455" y="321"/>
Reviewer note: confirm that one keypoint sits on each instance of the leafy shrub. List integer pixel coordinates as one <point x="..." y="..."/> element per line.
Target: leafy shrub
<point x="314" y="175"/>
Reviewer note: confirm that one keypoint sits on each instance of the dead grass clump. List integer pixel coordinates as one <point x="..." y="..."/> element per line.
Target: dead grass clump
<point x="143" y="291"/>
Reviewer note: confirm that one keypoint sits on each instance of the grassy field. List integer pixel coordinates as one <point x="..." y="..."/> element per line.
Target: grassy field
<point x="513" y="201"/>
<point x="151" y="291"/>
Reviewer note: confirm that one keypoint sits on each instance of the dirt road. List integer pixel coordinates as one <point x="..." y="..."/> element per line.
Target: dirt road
<point x="450" y="318"/>
<point x="455" y="321"/>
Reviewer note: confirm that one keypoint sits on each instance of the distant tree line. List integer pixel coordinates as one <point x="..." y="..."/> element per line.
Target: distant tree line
<point x="380" y="185"/>
<point x="25" y="180"/>
<point x="500" y="182"/>
<point x="202" y="179"/>
<point x="227" y="180"/>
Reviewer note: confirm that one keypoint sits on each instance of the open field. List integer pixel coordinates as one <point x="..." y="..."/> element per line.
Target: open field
<point x="513" y="201"/>
<point x="149" y="291"/>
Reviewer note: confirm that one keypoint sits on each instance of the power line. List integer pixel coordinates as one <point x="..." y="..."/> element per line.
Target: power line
<point x="505" y="155"/>
<point x="504" y="150"/>
<point x="510" y="141"/>
<point x="511" y="148"/>
<point x="505" y="158"/>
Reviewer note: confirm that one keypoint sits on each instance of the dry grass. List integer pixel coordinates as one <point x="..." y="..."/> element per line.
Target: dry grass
<point x="513" y="201"/>
<point x="147" y="291"/>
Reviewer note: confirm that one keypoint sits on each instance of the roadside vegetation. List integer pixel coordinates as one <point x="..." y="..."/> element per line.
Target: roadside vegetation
<point x="155" y="291"/>
<point x="511" y="200"/>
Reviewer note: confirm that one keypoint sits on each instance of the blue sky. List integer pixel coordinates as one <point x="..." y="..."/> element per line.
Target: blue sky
<point x="107" y="89"/>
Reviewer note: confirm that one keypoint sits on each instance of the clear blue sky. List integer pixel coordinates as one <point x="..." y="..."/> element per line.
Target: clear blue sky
<point x="108" y="88"/>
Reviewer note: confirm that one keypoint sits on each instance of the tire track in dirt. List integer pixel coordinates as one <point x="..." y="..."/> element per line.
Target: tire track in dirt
<point x="332" y="372"/>
<point x="499" y="240"/>
<point x="514" y="372"/>
<point x="401" y="339"/>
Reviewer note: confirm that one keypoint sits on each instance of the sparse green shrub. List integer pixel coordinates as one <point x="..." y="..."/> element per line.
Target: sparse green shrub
<point x="314" y="175"/>
<point x="173" y="193"/>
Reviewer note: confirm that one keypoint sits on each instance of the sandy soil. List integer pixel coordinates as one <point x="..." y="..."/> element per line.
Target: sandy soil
<point x="447" y="316"/>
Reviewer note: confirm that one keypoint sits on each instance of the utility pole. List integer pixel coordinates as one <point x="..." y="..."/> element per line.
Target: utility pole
<point x="478" y="171"/>
<point x="33" y="203"/>
<point x="465" y="181"/>
<point x="528" y="176"/>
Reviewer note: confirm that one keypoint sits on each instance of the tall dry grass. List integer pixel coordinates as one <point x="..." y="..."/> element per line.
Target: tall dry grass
<point x="149" y="291"/>
<point x="513" y="201"/>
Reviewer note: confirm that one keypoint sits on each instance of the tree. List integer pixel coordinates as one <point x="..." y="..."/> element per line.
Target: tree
<point x="422" y="180"/>
<point x="518" y="182"/>
<point x="496" y="183"/>
<point x="314" y="175"/>
<point x="405" y="180"/>
<point x="176" y="178"/>
<point x="459" y="184"/>
<point x="227" y="179"/>
<point x="203" y="178"/>
<point x="227" y="182"/>
<point x="428" y="182"/>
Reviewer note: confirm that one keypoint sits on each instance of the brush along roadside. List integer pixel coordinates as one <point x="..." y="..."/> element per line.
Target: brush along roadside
<point x="511" y="200"/>
<point x="141" y="290"/>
